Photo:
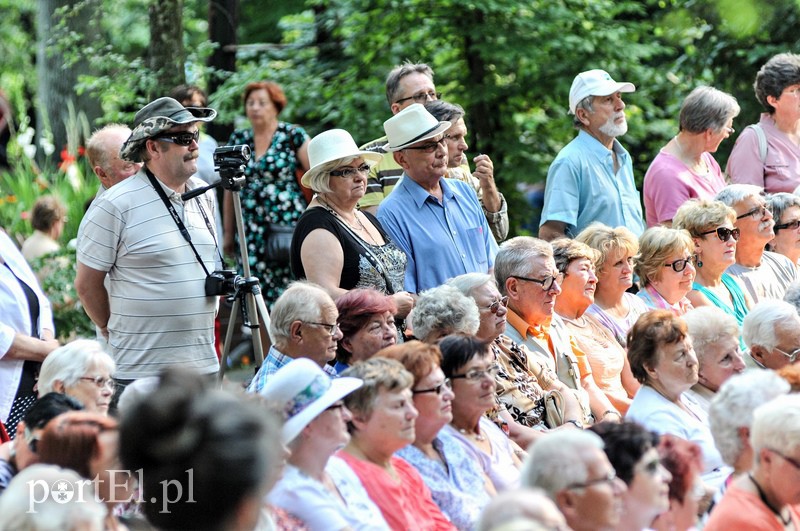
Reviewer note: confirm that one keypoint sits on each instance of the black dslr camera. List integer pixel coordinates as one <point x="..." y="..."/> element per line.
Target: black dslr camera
<point x="231" y="156"/>
<point x="222" y="282"/>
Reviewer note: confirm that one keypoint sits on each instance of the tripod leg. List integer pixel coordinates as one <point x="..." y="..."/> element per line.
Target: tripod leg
<point x="253" y="311"/>
<point x="226" y="349"/>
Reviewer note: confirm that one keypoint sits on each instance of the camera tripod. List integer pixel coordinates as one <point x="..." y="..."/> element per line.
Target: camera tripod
<point x="246" y="290"/>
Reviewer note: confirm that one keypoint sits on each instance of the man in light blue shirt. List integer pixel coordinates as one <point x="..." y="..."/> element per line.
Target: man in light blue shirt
<point x="437" y="222"/>
<point x="591" y="179"/>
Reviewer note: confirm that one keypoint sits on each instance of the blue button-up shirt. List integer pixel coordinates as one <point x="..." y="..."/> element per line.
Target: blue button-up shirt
<point x="441" y="239"/>
<point x="273" y="361"/>
<point x="582" y="187"/>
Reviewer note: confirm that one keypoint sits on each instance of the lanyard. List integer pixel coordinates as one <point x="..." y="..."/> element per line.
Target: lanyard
<point x="179" y="222"/>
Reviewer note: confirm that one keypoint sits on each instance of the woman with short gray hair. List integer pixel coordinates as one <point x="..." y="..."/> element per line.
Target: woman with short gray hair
<point x="785" y="210"/>
<point x="442" y="311"/>
<point x="80" y="369"/>
<point x="685" y="168"/>
<point x="767" y="154"/>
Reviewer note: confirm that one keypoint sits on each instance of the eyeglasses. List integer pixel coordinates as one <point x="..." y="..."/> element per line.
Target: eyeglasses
<point x="547" y="283"/>
<point x="792" y="225"/>
<point x="679" y="265"/>
<point x="791" y="357"/>
<point x="609" y="478"/>
<point x="422" y="97"/>
<point x="724" y="233"/>
<point x="439" y="389"/>
<point x="337" y="405"/>
<point x="495" y="306"/>
<point x="100" y="381"/>
<point x="349" y="173"/>
<point x="331" y="328"/>
<point x="430" y="147"/>
<point x="786" y="458"/>
<point x="181" y="139"/>
<point x="757" y="213"/>
<point x="474" y="375"/>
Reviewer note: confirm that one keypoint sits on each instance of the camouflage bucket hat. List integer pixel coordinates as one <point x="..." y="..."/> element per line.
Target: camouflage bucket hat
<point x="159" y="116"/>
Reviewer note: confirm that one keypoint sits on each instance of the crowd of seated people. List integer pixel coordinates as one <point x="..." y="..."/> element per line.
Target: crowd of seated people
<point x="422" y="374"/>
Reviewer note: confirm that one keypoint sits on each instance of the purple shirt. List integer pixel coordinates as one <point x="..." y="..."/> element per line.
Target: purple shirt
<point x="668" y="183"/>
<point x="781" y="170"/>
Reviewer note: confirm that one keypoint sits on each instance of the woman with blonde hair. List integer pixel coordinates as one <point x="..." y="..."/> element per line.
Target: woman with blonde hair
<point x="665" y="267"/>
<point x="711" y="225"/>
<point x="613" y="307"/>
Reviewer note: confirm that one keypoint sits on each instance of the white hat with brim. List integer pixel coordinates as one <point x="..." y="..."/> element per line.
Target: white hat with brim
<point x="411" y="125"/>
<point x="594" y="83"/>
<point x="335" y="144"/>
<point x="303" y="391"/>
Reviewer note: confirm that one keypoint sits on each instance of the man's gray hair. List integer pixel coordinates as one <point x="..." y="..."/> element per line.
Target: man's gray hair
<point x="792" y="296"/>
<point x="302" y="301"/>
<point x="779" y="202"/>
<point x="556" y="461"/>
<point x="776" y="425"/>
<point x="398" y="73"/>
<point x="97" y="150"/>
<point x="761" y="324"/>
<point x="515" y="257"/>
<point x="708" y="325"/>
<point x="734" y="194"/>
<point x="587" y="104"/>
<point x="469" y="282"/>
<point x="706" y="108"/>
<point x="69" y="363"/>
<point x="445" y="111"/>
<point x="733" y="405"/>
<point x="444" y="309"/>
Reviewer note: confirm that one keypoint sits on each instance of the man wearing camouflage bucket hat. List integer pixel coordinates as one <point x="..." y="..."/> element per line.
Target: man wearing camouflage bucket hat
<point x="156" y="250"/>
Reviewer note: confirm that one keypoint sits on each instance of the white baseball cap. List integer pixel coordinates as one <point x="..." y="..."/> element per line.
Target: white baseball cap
<point x="594" y="83"/>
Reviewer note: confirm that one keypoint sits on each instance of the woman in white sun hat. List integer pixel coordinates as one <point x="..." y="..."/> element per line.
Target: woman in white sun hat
<point x="336" y="245"/>
<point x="317" y="488"/>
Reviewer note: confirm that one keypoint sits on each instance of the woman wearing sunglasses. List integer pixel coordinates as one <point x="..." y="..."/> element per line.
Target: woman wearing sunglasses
<point x="458" y="485"/>
<point x="785" y="210"/>
<point x="610" y="370"/>
<point x="711" y="225"/>
<point x="665" y="267"/>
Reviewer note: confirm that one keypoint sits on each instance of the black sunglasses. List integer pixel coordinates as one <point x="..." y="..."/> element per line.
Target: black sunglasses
<point x="679" y="265"/>
<point x="724" y="233"/>
<point x="429" y="147"/>
<point x="181" y="139"/>
<point x="792" y="225"/>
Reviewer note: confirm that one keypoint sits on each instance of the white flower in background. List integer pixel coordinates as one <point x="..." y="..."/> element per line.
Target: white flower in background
<point x="25" y="141"/>
<point x="47" y="145"/>
<point x="74" y="176"/>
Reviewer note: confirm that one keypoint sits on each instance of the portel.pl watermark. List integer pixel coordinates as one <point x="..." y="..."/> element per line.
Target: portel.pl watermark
<point x="118" y="481"/>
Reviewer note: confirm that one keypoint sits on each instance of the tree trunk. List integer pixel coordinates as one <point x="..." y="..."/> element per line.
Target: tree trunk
<point x="67" y="114"/>
<point x="166" y="54"/>
<point x="223" y="19"/>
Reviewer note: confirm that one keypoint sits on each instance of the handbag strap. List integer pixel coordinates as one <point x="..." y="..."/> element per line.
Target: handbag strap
<point x="376" y="263"/>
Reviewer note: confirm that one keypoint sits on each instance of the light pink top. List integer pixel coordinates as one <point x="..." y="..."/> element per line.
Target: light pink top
<point x="780" y="172"/>
<point x="668" y="183"/>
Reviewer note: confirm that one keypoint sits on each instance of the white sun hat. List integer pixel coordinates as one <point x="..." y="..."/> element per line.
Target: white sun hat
<point x="303" y="391"/>
<point x="411" y="125"/>
<point x="334" y="144"/>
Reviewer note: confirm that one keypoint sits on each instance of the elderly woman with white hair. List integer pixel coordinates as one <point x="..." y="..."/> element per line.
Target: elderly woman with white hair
<point x="785" y="208"/>
<point x="715" y="338"/>
<point x="442" y="311"/>
<point x="768" y="496"/>
<point x="685" y="168"/>
<point x="771" y="332"/>
<point x="731" y="415"/>
<point x="335" y="244"/>
<point x="80" y="369"/>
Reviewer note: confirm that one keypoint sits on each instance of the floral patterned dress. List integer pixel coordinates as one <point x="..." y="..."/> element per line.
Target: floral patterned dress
<point x="271" y="195"/>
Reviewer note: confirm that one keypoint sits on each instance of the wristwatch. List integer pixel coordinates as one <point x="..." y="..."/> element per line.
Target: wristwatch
<point x="578" y="424"/>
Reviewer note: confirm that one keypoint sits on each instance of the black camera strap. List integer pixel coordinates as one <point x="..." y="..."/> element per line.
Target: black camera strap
<point x="177" y="219"/>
